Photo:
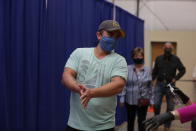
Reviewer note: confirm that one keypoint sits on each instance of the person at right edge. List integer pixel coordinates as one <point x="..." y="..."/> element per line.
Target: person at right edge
<point x="184" y="114"/>
<point x="164" y="72"/>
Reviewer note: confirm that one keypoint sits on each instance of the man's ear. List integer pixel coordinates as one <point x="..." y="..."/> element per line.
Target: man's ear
<point x="99" y="36"/>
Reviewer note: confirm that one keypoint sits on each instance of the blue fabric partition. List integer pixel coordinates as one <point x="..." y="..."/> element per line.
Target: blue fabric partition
<point x="35" y="43"/>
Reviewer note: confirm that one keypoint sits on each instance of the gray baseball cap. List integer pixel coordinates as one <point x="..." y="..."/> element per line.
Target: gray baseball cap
<point x="111" y="25"/>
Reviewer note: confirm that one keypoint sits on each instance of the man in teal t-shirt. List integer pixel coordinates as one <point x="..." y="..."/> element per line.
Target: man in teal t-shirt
<point x="95" y="76"/>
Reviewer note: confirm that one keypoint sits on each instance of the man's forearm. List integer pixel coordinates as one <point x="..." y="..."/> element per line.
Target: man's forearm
<point x="107" y="90"/>
<point x="69" y="81"/>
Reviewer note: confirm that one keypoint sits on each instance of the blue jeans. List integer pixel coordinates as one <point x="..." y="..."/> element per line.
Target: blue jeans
<point x="160" y="91"/>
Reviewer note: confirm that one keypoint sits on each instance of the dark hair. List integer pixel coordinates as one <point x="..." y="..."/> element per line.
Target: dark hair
<point x="136" y="51"/>
<point x="114" y="33"/>
<point x="101" y="31"/>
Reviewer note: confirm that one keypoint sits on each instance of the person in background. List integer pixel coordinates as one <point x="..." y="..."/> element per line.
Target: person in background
<point x="183" y="114"/>
<point x="164" y="72"/>
<point x="137" y="94"/>
<point x="95" y="76"/>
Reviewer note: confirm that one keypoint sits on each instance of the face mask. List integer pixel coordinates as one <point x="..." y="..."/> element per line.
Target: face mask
<point x="108" y="44"/>
<point x="167" y="52"/>
<point x="138" y="61"/>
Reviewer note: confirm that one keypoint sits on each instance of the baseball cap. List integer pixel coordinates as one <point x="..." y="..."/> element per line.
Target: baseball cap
<point x="111" y="25"/>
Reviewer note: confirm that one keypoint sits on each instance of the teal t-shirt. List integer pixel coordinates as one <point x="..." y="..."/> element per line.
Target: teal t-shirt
<point x="93" y="73"/>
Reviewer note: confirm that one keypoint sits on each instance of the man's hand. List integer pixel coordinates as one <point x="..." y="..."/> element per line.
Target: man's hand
<point x="173" y="80"/>
<point x="154" y="122"/>
<point x="68" y="80"/>
<point x="85" y="95"/>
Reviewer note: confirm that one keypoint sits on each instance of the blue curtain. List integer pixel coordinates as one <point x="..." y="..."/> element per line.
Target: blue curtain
<point x="20" y="28"/>
<point x="35" y="43"/>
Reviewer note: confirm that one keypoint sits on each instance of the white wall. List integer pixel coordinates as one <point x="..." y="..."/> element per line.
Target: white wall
<point x="163" y="14"/>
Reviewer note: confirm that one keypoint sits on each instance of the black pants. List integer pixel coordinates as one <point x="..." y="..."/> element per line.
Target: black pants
<point x="72" y="129"/>
<point x="141" y="112"/>
<point x="193" y="124"/>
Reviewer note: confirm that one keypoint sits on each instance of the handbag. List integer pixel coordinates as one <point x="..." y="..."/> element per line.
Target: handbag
<point x="143" y="102"/>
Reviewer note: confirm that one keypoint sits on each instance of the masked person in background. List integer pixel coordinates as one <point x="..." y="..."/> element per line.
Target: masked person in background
<point x="137" y="94"/>
<point x="164" y="72"/>
<point x="95" y="76"/>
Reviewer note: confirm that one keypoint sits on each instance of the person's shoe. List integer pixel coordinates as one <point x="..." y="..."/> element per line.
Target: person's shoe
<point x="166" y="129"/>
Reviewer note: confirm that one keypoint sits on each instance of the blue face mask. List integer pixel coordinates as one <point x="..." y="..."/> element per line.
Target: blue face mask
<point x="108" y="44"/>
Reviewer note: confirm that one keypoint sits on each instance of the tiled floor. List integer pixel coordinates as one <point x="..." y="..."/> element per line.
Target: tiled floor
<point x="176" y="125"/>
